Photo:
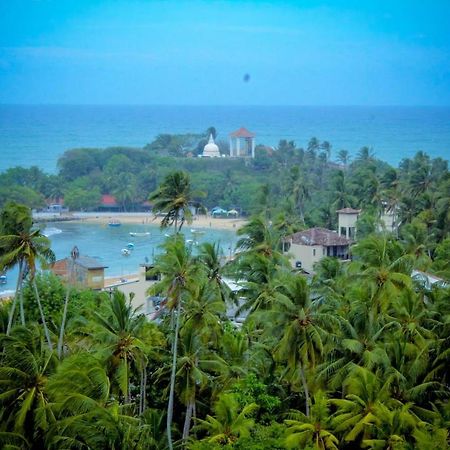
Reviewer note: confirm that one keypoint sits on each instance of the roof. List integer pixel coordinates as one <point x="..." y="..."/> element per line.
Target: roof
<point x="242" y="133"/>
<point x="89" y="263"/>
<point x="109" y="200"/>
<point x="60" y="267"/>
<point x="317" y="236"/>
<point x="348" y="211"/>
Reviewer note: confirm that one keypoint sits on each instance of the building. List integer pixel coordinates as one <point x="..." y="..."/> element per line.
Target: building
<point x="308" y="247"/>
<point x="388" y="220"/>
<point x="211" y="149"/>
<point x="347" y="219"/>
<point x="138" y="286"/>
<point x="242" y="143"/>
<point x="81" y="270"/>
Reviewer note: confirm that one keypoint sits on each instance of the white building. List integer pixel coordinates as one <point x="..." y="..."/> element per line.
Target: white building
<point x="347" y="218"/>
<point x="211" y="149"/>
<point x="308" y="247"/>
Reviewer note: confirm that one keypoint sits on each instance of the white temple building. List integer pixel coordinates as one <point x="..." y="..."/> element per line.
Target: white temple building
<point x="211" y="150"/>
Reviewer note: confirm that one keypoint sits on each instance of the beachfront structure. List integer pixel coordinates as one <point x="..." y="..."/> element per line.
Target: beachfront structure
<point x="388" y="220"/>
<point x="347" y="218"/>
<point x="211" y="149"/>
<point x="81" y="270"/>
<point x="138" y="286"/>
<point x="305" y="248"/>
<point x="242" y="143"/>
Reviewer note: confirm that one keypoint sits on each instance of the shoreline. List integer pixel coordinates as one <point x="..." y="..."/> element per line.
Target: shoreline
<point x="141" y="218"/>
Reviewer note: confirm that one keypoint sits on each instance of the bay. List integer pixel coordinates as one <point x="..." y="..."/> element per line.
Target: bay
<point x="105" y="243"/>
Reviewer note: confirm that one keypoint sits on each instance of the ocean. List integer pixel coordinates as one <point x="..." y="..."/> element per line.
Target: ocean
<point x="39" y="135"/>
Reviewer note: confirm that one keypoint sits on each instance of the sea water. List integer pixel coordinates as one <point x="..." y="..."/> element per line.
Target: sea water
<point x="105" y="244"/>
<point x="39" y="135"/>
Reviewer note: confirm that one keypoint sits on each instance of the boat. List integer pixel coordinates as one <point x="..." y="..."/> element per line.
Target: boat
<point x="125" y="252"/>
<point x="130" y="246"/>
<point x="136" y="234"/>
<point x="114" y="223"/>
<point x="3" y="279"/>
<point x="194" y="231"/>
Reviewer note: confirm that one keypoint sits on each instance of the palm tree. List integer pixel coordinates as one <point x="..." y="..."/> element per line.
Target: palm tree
<point x="385" y="270"/>
<point x="26" y="247"/>
<point x="119" y="331"/>
<point x="211" y="255"/>
<point x="87" y="416"/>
<point x="229" y="423"/>
<point x="314" y="430"/>
<point x="25" y="366"/>
<point x="300" y="327"/>
<point x="174" y="197"/>
<point x="14" y="219"/>
<point x="367" y="406"/>
<point x="177" y="269"/>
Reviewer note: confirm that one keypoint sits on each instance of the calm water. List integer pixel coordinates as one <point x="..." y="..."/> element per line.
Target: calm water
<point x="38" y="135"/>
<point x="105" y="243"/>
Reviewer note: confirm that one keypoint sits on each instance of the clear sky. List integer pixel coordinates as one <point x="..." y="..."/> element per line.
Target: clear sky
<point x="341" y="52"/>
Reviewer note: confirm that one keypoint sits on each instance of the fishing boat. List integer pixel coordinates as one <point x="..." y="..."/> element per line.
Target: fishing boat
<point x="125" y="252"/>
<point x="114" y="223"/>
<point x="130" y="246"/>
<point x="136" y="234"/>
<point x="3" y="279"/>
<point x="194" y="231"/>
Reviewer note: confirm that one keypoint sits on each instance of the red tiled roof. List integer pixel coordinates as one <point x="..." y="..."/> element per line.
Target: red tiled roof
<point x="59" y="267"/>
<point x="109" y="200"/>
<point x="349" y="211"/>
<point x="242" y="133"/>
<point x="318" y="236"/>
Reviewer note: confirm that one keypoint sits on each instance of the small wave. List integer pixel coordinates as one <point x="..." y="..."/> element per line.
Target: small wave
<point x="50" y="231"/>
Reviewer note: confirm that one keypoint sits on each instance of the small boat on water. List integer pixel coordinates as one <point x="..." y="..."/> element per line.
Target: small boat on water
<point x="3" y="279"/>
<point x="136" y="234"/>
<point x="125" y="252"/>
<point x="114" y="223"/>
<point x="194" y="231"/>
<point x="130" y="246"/>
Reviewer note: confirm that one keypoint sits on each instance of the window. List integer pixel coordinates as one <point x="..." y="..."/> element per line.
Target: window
<point x="343" y="231"/>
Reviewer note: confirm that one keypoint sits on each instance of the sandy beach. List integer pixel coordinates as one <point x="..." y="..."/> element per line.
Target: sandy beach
<point x="200" y="221"/>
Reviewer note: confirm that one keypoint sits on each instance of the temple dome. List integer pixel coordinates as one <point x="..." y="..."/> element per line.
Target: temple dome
<point x="211" y="150"/>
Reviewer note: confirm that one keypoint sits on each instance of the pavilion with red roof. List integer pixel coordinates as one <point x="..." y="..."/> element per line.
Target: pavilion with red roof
<point x="242" y="143"/>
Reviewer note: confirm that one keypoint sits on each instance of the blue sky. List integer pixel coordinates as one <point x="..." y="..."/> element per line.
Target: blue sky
<point x="197" y="52"/>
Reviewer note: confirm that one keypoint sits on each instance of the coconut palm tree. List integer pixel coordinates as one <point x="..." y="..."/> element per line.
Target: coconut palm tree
<point x="315" y="430"/>
<point x="25" y="367"/>
<point x="229" y="422"/>
<point x="14" y="220"/>
<point x="174" y="197"/>
<point x="178" y="270"/>
<point x="27" y="247"/>
<point x="119" y="332"/>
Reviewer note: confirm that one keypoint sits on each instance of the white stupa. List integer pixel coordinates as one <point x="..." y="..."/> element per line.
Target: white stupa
<point x="211" y="150"/>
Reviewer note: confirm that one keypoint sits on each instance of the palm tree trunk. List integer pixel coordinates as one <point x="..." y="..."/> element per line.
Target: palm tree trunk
<point x="16" y="295"/>
<point x="188" y="417"/>
<point x="41" y="312"/>
<point x="305" y="388"/>
<point x="63" y="324"/>
<point x="172" y="377"/>
<point x="22" y="312"/>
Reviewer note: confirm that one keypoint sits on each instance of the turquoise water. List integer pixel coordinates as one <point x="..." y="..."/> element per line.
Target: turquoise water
<point x="106" y="243"/>
<point x="38" y="135"/>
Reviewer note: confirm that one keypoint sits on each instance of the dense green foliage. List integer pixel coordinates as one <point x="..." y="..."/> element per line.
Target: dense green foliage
<point x="355" y="357"/>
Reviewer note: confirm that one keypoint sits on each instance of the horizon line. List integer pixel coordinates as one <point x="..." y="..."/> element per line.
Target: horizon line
<point x="237" y="105"/>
